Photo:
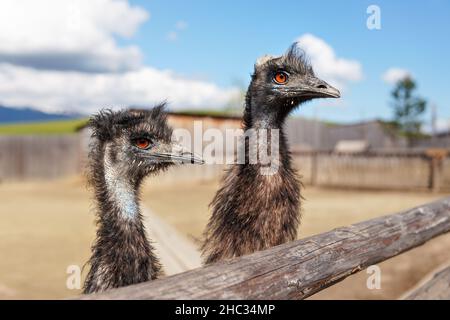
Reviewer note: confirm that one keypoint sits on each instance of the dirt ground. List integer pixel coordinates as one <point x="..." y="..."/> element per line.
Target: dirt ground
<point x="47" y="226"/>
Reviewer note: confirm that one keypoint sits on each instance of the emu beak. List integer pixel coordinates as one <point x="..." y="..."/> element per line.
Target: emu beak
<point x="317" y="88"/>
<point x="176" y="153"/>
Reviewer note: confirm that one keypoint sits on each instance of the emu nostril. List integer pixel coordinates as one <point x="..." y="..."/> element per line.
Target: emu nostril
<point x="321" y="86"/>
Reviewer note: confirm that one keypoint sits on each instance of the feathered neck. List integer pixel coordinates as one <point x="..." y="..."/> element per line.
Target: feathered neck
<point x="121" y="254"/>
<point x="254" y="210"/>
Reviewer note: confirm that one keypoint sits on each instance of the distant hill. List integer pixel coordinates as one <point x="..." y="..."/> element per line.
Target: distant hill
<point x="43" y="128"/>
<point x="14" y="115"/>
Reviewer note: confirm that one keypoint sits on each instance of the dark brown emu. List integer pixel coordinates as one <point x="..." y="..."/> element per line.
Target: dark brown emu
<point x="127" y="146"/>
<point x="253" y="211"/>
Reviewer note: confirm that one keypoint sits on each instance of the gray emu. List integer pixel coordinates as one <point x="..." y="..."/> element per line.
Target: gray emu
<point x="254" y="211"/>
<point x="127" y="146"/>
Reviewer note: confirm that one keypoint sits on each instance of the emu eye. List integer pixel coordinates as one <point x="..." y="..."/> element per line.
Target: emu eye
<point x="280" y="77"/>
<point x="142" y="143"/>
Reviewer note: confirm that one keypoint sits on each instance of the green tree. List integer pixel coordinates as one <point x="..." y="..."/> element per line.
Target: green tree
<point x="408" y="109"/>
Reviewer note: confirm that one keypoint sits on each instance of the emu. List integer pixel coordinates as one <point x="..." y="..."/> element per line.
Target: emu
<point x="254" y="211"/>
<point x="127" y="146"/>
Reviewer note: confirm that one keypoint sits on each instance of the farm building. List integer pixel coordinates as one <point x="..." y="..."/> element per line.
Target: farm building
<point x="319" y="135"/>
<point x="440" y="140"/>
<point x="302" y="133"/>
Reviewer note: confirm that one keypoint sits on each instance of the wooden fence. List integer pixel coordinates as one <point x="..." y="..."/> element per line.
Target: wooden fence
<point x="40" y="157"/>
<point x="376" y="170"/>
<point x="301" y="268"/>
<point x="47" y="157"/>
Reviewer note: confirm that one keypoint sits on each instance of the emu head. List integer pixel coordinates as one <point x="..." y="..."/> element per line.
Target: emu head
<point x="135" y="143"/>
<point x="279" y="84"/>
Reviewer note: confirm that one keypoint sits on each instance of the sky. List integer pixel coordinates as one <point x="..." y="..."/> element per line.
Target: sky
<point x="87" y="54"/>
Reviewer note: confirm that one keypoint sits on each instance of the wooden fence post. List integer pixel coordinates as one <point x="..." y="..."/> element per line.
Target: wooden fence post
<point x="314" y="164"/>
<point x="436" y="157"/>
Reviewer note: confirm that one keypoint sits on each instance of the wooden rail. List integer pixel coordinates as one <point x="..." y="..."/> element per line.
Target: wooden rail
<point x="301" y="268"/>
<point x="435" y="287"/>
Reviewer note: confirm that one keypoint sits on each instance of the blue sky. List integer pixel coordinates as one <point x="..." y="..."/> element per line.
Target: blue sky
<point x="82" y="55"/>
<point x="223" y="38"/>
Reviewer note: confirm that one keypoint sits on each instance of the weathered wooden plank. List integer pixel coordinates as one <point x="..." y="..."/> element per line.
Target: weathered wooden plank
<point x="435" y="286"/>
<point x="301" y="268"/>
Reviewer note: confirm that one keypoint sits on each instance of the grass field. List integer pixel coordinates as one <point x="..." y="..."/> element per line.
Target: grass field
<point x="49" y="127"/>
<point x="47" y="226"/>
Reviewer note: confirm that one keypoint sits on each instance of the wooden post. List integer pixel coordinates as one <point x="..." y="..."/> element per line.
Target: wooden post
<point x="435" y="157"/>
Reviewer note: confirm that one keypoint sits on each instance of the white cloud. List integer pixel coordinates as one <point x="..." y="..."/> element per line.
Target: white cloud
<point x="87" y="92"/>
<point x="393" y="75"/>
<point x="326" y="64"/>
<point x="60" y="55"/>
<point x="442" y="125"/>
<point x="69" y="35"/>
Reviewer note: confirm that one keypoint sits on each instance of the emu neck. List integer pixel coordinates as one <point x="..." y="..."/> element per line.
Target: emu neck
<point x="262" y="117"/>
<point x="121" y="254"/>
<point x="259" y="114"/>
<point x="253" y="211"/>
<point x="121" y="192"/>
<point x="117" y="194"/>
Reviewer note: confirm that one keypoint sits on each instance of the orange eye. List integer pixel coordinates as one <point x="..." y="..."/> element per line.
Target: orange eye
<point x="142" y="143"/>
<point x="280" y="77"/>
